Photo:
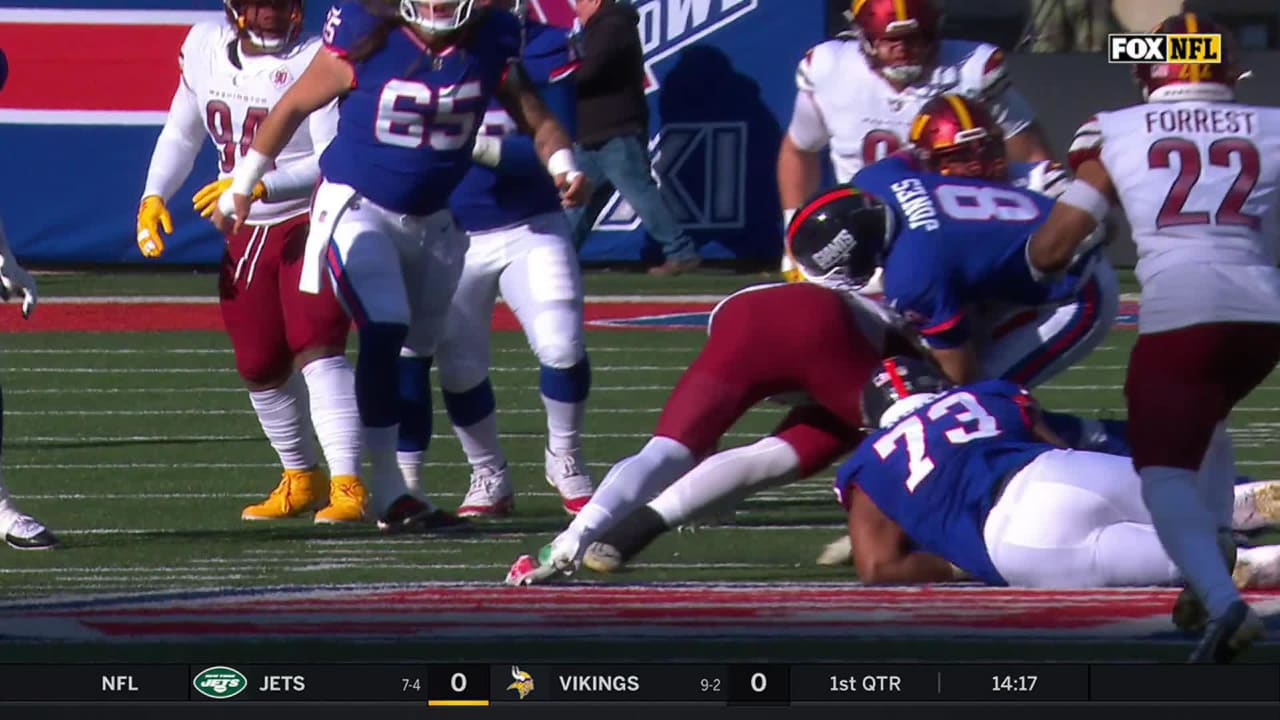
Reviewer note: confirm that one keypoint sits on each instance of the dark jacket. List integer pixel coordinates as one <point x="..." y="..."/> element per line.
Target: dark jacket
<point x="610" y="78"/>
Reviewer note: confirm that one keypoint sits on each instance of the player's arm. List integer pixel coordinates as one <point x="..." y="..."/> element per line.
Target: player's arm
<point x="515" y="154"/>
<point x="327" y="78"/>
<point x="947" y="335"/>
<point x="550" y="141"/>
<point x="1025" y="140"/>
<point x="1079" y="210"/>
<point x="171" y="162"/>
<point x="959" y="363"/>
<point x="882" y="552"/>
<point x="799" y="164"/>
<point x="1029" y="145"/>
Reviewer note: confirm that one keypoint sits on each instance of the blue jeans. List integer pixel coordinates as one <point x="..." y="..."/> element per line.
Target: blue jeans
<point x="624" y="162"/>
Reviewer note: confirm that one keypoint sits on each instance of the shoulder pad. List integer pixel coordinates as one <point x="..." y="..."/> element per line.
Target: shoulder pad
<point x="985" y="74"/>
<point x="1086" y="145"/>
<point x="819" y="62"/>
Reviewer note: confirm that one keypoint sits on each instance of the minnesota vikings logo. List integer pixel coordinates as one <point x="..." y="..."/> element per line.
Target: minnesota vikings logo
<point x="523" y="683"/>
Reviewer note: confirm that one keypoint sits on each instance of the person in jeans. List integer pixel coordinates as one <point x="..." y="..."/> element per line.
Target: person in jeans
<point x="613" y="127"/>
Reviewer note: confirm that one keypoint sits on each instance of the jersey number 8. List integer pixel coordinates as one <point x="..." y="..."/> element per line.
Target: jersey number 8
<point x="983" y="202"/>
<point x="911" y="431"/>
<point x="411" y="114"/>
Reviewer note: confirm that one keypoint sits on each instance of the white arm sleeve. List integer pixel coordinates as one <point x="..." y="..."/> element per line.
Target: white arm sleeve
<point x="177" y="146"/>
<point x="298" y="179"/>
<point x="808" y="131"/>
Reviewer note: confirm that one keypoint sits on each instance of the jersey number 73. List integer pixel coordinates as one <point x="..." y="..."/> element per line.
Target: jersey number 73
<point x="973" y="422"/>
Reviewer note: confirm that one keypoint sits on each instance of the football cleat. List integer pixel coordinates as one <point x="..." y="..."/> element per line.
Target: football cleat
<point x="27" y="533"/>
<point x="603" y="558"/>
<point x="552" y="563"/>
<point x="348" y="502"/>
<point x="490" y="494"/>
<point x="1189" y="613"/>
<point x="299" y="492"/>
<point x="837" y="552"/>
<point x="408" y="514"/>
<point x="565" y="474"/>
<point x="1229" y="635"/>
<point x="1257" y="505"/>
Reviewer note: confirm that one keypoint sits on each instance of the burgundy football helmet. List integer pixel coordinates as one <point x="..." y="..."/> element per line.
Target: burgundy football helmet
<point x="915" y="23"/>
<point x="954" y="135"/>
<point x="276" y="24"/>
<point x="1191" y="81"/>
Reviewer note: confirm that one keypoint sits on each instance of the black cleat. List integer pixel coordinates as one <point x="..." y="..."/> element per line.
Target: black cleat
<point x="27" y="533"/>
<point x="411" y="515"/>
<point x="1229" y="635"/>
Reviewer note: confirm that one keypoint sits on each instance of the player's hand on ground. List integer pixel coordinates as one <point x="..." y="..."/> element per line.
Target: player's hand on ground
<point x="574" y="188"/>
<point x="205" y="201"/>
<point x="152" y="216"/>
<point x="14" y="279"/>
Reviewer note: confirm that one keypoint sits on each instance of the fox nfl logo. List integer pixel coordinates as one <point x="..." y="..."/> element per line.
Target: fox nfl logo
<point x="1188" y="48"/>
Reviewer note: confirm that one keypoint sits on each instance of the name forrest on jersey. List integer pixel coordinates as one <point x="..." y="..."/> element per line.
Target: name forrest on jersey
<point x="916" y="204"/>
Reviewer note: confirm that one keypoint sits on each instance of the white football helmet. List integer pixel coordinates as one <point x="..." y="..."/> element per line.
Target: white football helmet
<point x="426" y="14"/>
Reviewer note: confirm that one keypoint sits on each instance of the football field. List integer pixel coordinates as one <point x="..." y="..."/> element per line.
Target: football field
<point x="137" y="445"/>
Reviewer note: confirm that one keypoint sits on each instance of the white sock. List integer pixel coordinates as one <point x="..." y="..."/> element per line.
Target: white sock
<point x="480" y="442"/>
<point x="727" y="477"/>
<point x="564" y="425"/>
<point x="283" y="414"/>
<point x="411" y="470"/>
<point x="8" y="511"/>
<point x="1217" y="477"/>
<point x="331" y="383"/>
<point x="629" y="483"/>
<point x="384" y="480"/>
<point x="1188" y="532"/>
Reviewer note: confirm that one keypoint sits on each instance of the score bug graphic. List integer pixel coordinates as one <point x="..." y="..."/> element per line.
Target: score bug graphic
<point x="1189" y="48"/>
<point x="220" y="682"/>
<point x="523" y="682"/>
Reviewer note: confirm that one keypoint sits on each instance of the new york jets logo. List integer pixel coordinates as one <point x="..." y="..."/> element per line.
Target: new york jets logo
<point x="220" y="682"/>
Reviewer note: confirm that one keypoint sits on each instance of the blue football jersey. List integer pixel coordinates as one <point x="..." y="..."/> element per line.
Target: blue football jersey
<point x="960" y="241"/>
<point x="936" y="472"/>
<point x="519" y="188"/>
<point x="407" y="127"/>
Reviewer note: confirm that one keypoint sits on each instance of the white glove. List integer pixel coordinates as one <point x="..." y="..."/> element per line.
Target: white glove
<point x="14" y="279"/>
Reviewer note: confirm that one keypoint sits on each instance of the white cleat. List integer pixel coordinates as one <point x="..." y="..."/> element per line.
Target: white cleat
<point x="567" y="474"/>
<point x="1257" y="505"/>
<point x="1257" y="568"/>
<point x="27" y="533"/>
<point x="490" y="494"/>
<point x="838" y="552"/>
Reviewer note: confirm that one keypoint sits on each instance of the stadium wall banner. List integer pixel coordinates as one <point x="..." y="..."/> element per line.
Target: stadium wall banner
<point x="91" y="81"/>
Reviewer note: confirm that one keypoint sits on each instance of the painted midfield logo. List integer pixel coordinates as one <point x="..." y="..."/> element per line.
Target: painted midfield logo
<point x="220" y="682"/>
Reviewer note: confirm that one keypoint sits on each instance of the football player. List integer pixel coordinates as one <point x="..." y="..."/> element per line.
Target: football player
<point x="843" y="334"/>
<point x="521" y="248"/>
<point x="289" y="346"/>
<point x="21" y="531"/>
<point x="415" y="78"/>
<point x="1197" y="175"/>
<point x="858" y="94"/>
<point x="968" y="482"/>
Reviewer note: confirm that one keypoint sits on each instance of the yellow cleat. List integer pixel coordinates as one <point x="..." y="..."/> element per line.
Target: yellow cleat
<point x="299" y="492"/>
<point x="348" y="502"/>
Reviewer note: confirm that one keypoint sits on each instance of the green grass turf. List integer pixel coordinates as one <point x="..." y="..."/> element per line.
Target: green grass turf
<point x="141" y="449"/>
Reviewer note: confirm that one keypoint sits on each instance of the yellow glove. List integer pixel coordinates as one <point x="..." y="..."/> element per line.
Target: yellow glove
<point x="153" y="215"/>
<point x="206" y="199"/>
<point x="790" y="271"/>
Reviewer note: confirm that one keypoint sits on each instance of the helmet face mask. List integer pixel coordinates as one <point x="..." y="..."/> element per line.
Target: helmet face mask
<point x="269" y="25"/>
<point x="436" y="17"/>
<point x="953" y="135"/>
<point x="899" y="37"/>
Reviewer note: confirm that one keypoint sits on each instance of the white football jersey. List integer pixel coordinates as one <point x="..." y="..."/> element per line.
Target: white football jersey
<point x="862" y="118"/>
<point x="1198" y="182"/>
<point x="234" y="93"/>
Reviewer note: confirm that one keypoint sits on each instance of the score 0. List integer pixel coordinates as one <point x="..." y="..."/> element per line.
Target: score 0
<point x="759" y="685"/>
<point x="458" y="685"/>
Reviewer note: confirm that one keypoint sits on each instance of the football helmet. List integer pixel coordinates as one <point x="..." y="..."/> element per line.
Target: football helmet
<point x="954" y="135"/>
<point x="839" y="238"/>
<point x="915" y="22"/>
<point x="281" y="27"/>
<point x="899" y="387"/>
<point x="437" y="16"/>
<point x="1163" y="82"/>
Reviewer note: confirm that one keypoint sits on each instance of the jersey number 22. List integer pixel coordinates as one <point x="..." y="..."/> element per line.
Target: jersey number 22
<point x="911" y="432"/>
